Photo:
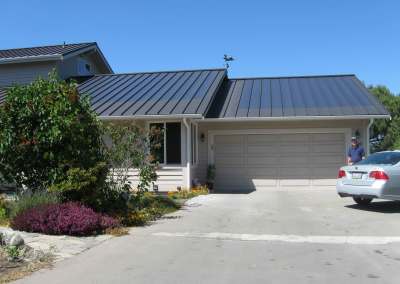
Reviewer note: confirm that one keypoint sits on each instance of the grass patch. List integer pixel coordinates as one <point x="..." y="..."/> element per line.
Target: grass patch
<point x="31" y="200"/>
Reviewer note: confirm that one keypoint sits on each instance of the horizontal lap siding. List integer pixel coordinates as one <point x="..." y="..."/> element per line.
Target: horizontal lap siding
<point x="168" y="179"/>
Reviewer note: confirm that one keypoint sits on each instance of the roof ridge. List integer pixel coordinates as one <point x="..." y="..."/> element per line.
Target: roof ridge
<point x="53" y="45"/>
<point x="289" y="77"/>
<point x="161" y="71"/>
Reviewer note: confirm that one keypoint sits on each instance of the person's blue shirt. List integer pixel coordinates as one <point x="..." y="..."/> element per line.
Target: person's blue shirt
<point x="356" y="153"/>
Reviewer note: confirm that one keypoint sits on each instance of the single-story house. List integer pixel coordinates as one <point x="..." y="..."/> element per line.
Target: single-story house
<point x="283" y="133"/>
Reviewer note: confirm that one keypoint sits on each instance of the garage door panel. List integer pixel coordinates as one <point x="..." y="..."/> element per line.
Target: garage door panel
<point x="292" y="138"/>
<point x="229" y="139"/>
<point x="263" y="172"/>
<point x="287" y="160"/>
<point x="280" y="161"/>
<point x="264" y="161"/>
<point x="327" y="148"/>
<point x="262" y="138"/>
<point x="325" y="172"/>
<point x="294" y="172"/>
<point x="328" y="137"/>
<point x="229" y="149"/>
<point x="327" y="159"/>
<point x="229" y="161"/>
<point x="263" y="149"/>
<point x="294" y="148"/>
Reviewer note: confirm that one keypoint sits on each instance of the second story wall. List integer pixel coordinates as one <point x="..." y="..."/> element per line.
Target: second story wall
<point x="24" y="73"/>
<point x="81" y="65"/>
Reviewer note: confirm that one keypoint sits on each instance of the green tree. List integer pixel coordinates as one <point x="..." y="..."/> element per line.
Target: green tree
<point x="46" y="129"/>
<point x="127" y="146"/>
<point x="386" y="131"/>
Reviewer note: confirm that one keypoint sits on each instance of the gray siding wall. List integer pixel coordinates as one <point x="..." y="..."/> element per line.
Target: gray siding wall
<point x="200" y="170"/>
<point x="24" y="73"/>
<point x="69" y="67"/>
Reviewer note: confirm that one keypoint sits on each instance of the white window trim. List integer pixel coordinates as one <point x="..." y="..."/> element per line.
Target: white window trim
<point x="213" y="133"/>
<point x="164" y="122"/>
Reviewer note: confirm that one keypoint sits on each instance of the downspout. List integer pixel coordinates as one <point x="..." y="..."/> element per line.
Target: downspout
<point x="188" y="154"/>
<point x="371" y="121"/>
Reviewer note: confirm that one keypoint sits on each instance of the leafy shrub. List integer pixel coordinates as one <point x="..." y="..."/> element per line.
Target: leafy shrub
<point x="89" y="186"/>
<point x="46" y="128"/>
<point x="69" y="218"/>
<point x="28" y="200"/>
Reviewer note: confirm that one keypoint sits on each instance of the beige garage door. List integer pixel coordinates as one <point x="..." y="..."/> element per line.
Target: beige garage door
<point x="277" y="161"/>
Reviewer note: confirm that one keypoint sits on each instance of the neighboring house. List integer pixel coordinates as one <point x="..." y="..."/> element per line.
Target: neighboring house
<point x="281" y="133"/>
<point x="23" y="65"/>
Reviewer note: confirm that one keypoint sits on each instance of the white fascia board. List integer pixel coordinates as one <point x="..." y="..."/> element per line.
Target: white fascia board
<point x="31" y="59"/>
<point x="144" y="117"/>
<point x="293" y="118"/>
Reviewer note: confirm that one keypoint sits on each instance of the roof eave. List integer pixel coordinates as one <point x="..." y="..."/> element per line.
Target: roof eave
<point x="35" y="58"/>
<point x="145" y="117"/>
<point x="292" y="118"/>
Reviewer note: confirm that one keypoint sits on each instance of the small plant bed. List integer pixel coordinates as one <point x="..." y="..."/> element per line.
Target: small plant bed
<point x="183" y="195"/>
<point x="19" y="261"/>
<point x="145" y="207"/>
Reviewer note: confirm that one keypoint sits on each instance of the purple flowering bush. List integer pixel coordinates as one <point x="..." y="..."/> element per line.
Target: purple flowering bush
<point x="71" y="218"/>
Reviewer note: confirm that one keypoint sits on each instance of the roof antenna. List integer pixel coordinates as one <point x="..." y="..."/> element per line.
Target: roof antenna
<point x="227" y="59"/>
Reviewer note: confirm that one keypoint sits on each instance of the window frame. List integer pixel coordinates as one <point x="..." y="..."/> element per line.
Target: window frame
<point x="164" y="123"/>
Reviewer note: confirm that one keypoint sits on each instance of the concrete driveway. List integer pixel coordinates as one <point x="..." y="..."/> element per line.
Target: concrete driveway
<point x="262" y="237"/>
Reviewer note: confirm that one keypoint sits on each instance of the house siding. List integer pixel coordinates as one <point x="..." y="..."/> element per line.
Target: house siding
<point x="24" y="73"/>
<point x="69" y="67"/>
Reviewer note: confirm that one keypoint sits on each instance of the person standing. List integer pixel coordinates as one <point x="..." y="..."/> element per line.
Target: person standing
<point x="356" y="152"/>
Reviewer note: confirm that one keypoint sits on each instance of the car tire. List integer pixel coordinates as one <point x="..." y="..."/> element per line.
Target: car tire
<point x="362" y="200"/>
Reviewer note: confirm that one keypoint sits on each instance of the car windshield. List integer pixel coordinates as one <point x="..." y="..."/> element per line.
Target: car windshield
<point x="384" y="158"/>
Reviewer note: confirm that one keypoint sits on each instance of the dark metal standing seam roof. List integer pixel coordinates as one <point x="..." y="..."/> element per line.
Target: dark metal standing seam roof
<point x="43" y="50"/>
<point x="337" y="95"/>
<point x="153" y="93"/>
<point x="2" y="95"/>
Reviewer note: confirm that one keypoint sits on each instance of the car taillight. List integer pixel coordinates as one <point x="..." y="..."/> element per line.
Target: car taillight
<point x="341" y="174"/>
<point x="378" y="175"/>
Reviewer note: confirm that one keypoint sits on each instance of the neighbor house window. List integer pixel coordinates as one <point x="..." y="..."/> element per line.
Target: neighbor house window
<point x="194" y="130"/>
<point x="165" y="142"/>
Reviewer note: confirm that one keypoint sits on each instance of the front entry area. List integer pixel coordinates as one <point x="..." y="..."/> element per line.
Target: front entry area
<point x="283" y="161"/>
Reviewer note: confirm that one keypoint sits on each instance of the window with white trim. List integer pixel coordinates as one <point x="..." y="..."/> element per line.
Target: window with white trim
<point x="194" y="143"/>
<point x="165" y="142"/>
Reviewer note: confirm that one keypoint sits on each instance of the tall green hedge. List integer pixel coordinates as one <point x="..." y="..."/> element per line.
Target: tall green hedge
<point x="46" y="128"/>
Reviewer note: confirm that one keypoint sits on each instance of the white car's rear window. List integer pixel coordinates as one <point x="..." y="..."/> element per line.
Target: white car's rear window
<point x="383" y="158"/>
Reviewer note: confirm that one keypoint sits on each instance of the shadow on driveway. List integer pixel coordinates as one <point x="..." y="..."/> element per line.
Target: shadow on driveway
<point x="379" y="206"/>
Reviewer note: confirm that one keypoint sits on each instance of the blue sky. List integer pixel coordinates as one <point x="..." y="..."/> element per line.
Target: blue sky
<point x="268" y="38"/>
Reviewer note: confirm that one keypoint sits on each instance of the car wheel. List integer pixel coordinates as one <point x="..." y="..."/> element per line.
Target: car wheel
<point x="362" y="200"/>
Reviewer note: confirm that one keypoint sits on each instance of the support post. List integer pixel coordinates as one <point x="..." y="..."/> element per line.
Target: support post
<point x="188" y="153"/>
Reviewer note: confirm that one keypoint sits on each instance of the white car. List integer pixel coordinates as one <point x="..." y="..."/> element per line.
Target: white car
<point x="377" y="176"/>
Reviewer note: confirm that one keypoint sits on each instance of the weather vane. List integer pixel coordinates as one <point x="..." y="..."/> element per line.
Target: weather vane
<point x="227" y="59"/>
